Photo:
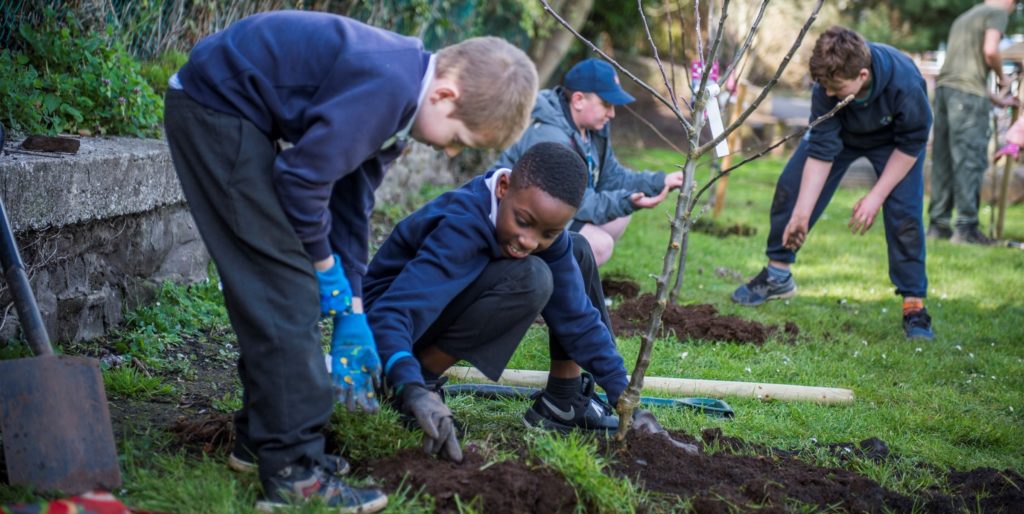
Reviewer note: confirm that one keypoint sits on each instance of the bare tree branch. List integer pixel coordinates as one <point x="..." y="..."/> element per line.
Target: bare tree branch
<point x="698" y="24"/>
<point x="768" y="87"/>
<point x="713" y="53"/>
<point x="653" y="128"/>
<point x="747" y="42"/>
<point x="634" y="78"/>
<point x="776" y="144"/>
<point x="671" y="53"/>
<point x="657" y="58"/>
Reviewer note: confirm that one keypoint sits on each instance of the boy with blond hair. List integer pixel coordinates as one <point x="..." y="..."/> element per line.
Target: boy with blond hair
<point x="887" y="122"/>
<point x="289" y="229"/>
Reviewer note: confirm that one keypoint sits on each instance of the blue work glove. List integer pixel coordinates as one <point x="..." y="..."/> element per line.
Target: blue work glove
<point x="335" y="291"/>
<point x="355" y="366"/>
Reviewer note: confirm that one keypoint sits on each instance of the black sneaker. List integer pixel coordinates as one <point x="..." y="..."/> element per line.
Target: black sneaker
<point x="762" y="288"/>
<point x="937" y="232"/>
<point x="918" y="325"/>
<point x="586" y="412"/>
<point x="296" y="484"/>
<point x="243" y="461"/>
<point x="971" y="236"/>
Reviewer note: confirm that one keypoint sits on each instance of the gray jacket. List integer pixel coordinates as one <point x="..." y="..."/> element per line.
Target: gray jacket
<point x="608" y="199"/>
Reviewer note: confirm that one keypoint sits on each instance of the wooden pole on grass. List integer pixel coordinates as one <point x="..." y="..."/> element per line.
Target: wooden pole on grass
<point x="684" y="386"/>
<point x="723" y="183"/>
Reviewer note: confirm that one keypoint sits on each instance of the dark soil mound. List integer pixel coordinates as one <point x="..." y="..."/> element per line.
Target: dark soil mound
<point x="721" y="482"/>
<point x="508" y="486"/>
<point x="693" y="322"/>
<point x="620" y="287"/>
<point x="706" y="226"/>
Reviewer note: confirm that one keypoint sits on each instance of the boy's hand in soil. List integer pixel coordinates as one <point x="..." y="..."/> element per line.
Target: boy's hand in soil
<point x="864" y="212"/>
<point x="796" y="232"/>
<point x="355" y="365"/>
<point x="435" y="419"/>
<point x="335" y="291"/>
<point x="645" y="423"/>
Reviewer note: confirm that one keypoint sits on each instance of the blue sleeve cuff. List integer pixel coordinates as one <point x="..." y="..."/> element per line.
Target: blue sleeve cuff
<point x="394" y="358"/>
<point x="404" y="371"/>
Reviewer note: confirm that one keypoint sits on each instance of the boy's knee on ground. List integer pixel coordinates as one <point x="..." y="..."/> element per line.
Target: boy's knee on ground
<point x="602" y="244"/>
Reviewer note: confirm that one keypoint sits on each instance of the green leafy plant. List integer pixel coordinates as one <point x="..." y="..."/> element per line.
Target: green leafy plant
<point x="158" y="71"/>
<point x="66" y="79"/>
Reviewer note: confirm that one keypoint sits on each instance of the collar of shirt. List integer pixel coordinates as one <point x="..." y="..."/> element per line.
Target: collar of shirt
<point x="492" y="183"/>
<point x="428" y="77"/>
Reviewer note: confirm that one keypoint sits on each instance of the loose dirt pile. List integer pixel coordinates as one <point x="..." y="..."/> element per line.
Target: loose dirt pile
<point x="507" y="486"/>
<point x="686" y="321"/>
<point x="776" y="480"/>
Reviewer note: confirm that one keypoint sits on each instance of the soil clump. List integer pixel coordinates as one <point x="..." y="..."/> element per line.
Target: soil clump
<point x="506" y="486"/>
<point x="700" y="321"/>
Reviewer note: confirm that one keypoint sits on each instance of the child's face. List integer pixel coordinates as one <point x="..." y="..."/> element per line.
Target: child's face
<point x="590" y="112"/>
<point x="528" y="219"/>
<point x="434" y="124"/>
<point x="841" y="88"/>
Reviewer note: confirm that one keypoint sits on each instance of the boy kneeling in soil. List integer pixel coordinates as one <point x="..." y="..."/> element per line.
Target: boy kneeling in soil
<point x="887" y="122"/>
<point x="463" y="278"/>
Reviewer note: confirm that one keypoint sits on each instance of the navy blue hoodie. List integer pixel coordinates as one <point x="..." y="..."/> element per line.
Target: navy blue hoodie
<point x="896" y="111"/>
<point x="335" y="88"/>
<point x="439" y="250"/>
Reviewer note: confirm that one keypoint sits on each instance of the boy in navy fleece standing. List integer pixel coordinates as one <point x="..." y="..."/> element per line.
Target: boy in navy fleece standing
<point x="887" y="122"/>
<point x="288" y="227"/>
<point x="463" y="278"/>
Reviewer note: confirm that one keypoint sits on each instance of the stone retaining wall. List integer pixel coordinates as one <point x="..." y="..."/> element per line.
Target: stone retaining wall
<point x="100" y="230"/>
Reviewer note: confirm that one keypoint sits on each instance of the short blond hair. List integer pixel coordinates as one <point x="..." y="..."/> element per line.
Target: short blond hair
<point x="497" y="88"/>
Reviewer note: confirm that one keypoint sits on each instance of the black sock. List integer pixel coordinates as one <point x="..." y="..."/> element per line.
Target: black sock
<point x="563" y="390"/>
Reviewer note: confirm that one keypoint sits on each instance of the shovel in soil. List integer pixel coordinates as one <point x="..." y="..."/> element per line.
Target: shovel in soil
<point x="54" y="419"/>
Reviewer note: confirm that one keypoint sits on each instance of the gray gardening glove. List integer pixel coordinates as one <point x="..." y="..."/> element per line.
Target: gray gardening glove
<point x="645" y="423"/>
<point x="435" y="419"/>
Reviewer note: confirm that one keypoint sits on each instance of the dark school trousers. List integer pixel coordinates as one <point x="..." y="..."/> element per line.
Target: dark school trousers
<point x="224" y="164"/>
<point x="901" y="213"/>
<point x="485" y="323"/>
<point x="959" y="157"/>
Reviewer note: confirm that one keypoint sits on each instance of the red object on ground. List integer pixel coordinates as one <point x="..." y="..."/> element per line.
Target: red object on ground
<point x="96" y="502"/>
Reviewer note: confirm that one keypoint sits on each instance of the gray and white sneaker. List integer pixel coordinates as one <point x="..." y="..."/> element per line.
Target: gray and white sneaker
<point x="762" y="288"/>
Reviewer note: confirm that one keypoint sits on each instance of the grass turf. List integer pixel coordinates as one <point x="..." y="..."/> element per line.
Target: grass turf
<point x="956" y="401"/>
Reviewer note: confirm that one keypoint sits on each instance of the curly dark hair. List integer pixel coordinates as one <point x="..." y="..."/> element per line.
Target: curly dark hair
<point x="839" y="53"/>
<point x="554" y="168"/>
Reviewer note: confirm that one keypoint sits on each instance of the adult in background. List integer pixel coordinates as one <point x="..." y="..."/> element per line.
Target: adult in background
<point x="578" y="114"/>
<point x="962" y="129"/>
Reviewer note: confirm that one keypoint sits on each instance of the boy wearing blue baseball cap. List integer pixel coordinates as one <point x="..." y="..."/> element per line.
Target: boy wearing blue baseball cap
<point x="578" y="114"/>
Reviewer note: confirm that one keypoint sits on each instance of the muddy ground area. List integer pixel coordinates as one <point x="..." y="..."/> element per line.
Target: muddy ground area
<point x="703" y="322"/>
<point x="739" y="477"/>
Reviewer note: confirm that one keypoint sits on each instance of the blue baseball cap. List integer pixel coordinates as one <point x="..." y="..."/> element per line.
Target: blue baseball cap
<point x="597" y="76"/>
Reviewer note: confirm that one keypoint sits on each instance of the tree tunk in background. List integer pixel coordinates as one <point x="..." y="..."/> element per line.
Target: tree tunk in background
<point x="691" y="114"/>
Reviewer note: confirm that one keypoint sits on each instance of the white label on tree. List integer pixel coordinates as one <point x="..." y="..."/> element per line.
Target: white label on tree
<point x="715" y="120"/>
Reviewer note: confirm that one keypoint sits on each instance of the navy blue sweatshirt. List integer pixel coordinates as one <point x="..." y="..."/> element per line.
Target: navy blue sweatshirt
<point x="896" y="112"/>
<point x="335" y="88"/>
<point x="439" y="250"/>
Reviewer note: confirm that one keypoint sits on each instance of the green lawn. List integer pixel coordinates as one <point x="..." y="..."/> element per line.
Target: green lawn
<point x="956" y="401"/>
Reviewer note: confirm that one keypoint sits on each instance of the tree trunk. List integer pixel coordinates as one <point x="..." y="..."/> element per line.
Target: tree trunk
<point x="548" y="50"/>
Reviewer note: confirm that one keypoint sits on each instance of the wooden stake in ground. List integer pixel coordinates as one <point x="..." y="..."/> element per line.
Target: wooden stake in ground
<point x="684" y="387"/>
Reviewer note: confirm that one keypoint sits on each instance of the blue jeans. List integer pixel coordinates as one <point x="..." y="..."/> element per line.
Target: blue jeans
<point x="901" y="213"/>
